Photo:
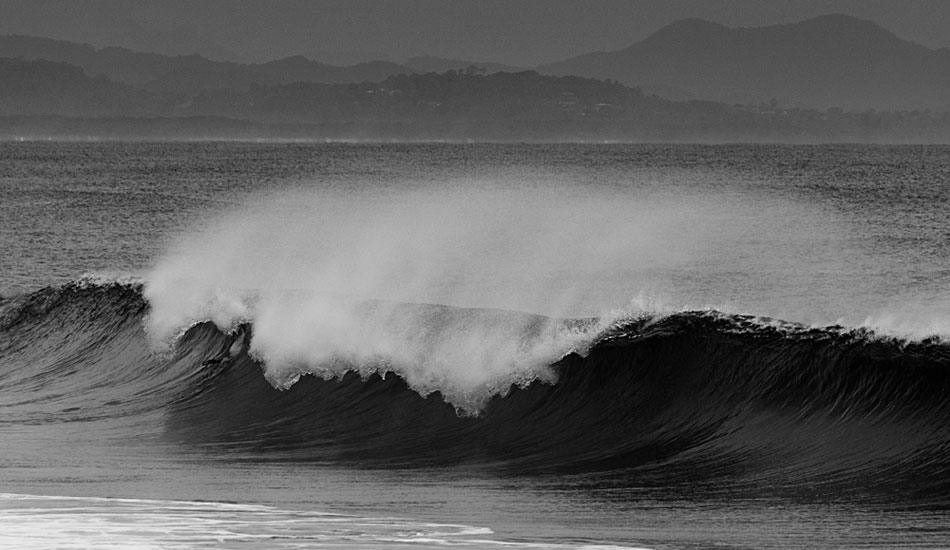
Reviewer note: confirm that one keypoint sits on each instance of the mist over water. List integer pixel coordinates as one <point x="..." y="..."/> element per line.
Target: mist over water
<point x="520" y="250"/>
<point x="335" y="280"/>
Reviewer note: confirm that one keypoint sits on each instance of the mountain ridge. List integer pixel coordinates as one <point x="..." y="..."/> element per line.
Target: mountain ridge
<point x="43" y="100"/>
<point x="188" y="74"/>
<point x="827" y="61"/>
<point x="86" y="91"/>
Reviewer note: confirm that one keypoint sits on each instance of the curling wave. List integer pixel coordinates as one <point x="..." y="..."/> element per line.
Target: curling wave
<point x="685" y="397"/>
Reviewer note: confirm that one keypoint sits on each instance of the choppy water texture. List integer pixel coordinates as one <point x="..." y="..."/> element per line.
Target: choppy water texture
<point x="343" y="345"/>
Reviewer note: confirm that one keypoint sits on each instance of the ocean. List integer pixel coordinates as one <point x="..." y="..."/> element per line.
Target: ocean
<point x="359" y="345"/>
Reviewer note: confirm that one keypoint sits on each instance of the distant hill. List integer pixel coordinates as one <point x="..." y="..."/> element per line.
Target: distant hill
<point x="828" y="61"/>
<point x="190" y="73"/>
<point x="44" y="87"/>
<point x="41" y="98"/>
<point x="432" y="64"/>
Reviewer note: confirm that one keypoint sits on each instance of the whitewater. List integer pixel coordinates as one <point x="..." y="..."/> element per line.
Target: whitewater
<point x="570" y="346"/>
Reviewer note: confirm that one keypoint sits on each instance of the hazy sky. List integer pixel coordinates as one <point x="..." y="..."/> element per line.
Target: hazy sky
<point x="521" y="32"/>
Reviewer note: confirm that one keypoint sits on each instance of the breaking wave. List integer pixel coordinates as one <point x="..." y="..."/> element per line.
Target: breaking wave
<point x="680" y="397"/>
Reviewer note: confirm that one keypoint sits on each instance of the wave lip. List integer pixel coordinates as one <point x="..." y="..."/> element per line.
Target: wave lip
<point x="466" y="354"/>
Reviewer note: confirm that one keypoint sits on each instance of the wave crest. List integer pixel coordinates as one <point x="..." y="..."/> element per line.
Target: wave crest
<point x="465" y="354"/>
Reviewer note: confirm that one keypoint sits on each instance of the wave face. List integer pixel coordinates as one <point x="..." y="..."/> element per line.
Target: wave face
<point x="693" y="397"/>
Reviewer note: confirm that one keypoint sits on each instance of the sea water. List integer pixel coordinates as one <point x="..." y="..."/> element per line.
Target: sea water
<point x="303" y="345"/>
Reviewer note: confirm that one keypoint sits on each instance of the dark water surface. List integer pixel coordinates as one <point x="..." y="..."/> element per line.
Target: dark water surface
<point x="235" y="345"/>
